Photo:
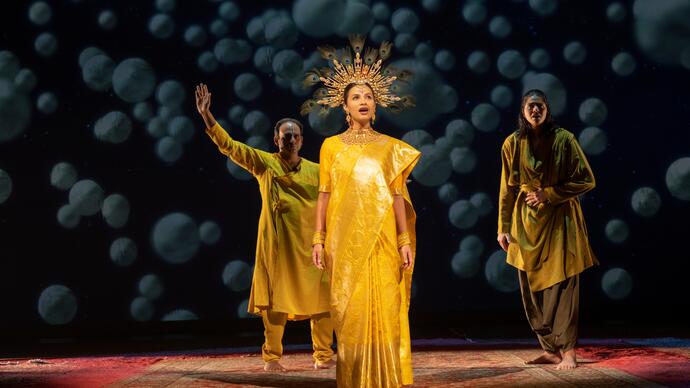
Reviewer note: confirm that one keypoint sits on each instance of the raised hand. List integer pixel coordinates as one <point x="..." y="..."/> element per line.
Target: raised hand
<point x="203" y="99"/>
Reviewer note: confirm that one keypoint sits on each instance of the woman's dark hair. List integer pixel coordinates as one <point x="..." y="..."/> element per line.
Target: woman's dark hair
<point x="523" y="125"/>
<point x="280" y="122"/>
<point x="350" y="86"/>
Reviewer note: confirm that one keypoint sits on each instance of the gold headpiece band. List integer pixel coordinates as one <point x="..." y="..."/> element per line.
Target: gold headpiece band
<point x="361" y="70"/>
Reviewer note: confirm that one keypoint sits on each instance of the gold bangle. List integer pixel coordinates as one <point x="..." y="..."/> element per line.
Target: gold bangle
<point x="318" y="238"/>
<point x="404" y="239"/>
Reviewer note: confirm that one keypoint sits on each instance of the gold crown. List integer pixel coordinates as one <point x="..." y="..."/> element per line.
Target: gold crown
<point x="360" y="70"/>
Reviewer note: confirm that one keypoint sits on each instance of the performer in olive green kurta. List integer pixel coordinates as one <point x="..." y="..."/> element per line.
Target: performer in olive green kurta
<point x="542" y="227"/>
<point x="285" y="286"/>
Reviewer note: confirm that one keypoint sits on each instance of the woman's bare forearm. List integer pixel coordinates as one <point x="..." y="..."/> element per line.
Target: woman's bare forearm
<point x="321" y="207"/>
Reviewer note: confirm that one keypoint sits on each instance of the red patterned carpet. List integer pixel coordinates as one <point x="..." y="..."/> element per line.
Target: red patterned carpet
<point x="437" y="363"/>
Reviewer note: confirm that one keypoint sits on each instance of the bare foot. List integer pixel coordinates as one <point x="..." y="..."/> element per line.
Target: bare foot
<point x="325" y="364"/>
<point x="546" y="358"/>
<point x="274" y="366"/>
<point x="569" y="360"/>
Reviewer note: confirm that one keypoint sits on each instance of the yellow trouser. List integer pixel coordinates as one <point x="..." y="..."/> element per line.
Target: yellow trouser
<point x="274" y="327"/>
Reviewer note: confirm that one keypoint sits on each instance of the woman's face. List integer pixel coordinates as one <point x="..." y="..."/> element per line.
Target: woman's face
<point x="535" y="111"/>
<point x="360" y="103"/>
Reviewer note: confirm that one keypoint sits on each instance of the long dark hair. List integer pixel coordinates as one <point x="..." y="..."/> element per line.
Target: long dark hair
<point x="523" y="125"/>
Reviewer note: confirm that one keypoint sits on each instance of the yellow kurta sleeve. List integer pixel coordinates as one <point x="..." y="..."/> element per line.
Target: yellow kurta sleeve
<point x="325" y="161"/>
<point x="506" y="196"/>
<point x="579" y="178"/>
<point x="249" y="158"/>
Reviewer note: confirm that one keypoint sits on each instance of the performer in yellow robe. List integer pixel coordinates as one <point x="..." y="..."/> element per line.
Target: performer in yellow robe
<point x="542" y="227"/>
<point x="365" y="237"/>
<point x="285" y="285"/>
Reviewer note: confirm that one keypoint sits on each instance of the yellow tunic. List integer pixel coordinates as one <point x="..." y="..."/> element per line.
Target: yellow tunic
<point x="285" y="280"/>
<point x="549" y="242"/>
<point x="370" y="294"/>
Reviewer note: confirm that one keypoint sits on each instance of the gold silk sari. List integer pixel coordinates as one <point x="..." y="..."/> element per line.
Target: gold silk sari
<point x="370" y="293"/>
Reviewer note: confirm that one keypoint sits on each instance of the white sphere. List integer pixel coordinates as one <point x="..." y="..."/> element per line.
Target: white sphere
<point x="478" y="62"/>
<point x="209" y="232"/>
<point x="485" y="117"/>
<point x="97" y="73"/>
<point x="151" y="286"/>
<point x="68" y="216"/>
<point x="616" y="283"/>
<point x="57" y="305"/>
<point x="472" y="244"/>
<point x="175" y="238"/>
<point x="575" y="53"/>
<point x="318" y="18"/>
<point x="593" y="111"/>
<point x="134" y="80"/>
<point x="617" y="231"/>
<point x="448" y="193"/>
<point x="646" y="201"/>
<point x="5" y="186"/>
<point x="161" y="26"/>
<point x="46" y="44"/>
<point x="500" y="275"/>
<point x="237" y="275"/>
<point x="678" y="178"/>
<point x="463" y="160"/>
<point x="63" y="176"/>
<point x="169" y="149"/>
<point x="593" y="140"/>
<point x="141" y="309"/>
<point x="115" y="210"/>
<point x="465" y="264"/>
<point x="87" y="196"/>
<point x="463" y="214"/>
<point x="114" y="127"/>
<point x="123" y="251"/>
<point x="511" y="64"/>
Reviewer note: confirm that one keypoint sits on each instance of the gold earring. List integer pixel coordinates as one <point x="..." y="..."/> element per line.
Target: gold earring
<point x="348" y="119"/>
<point x="373" y="118"/>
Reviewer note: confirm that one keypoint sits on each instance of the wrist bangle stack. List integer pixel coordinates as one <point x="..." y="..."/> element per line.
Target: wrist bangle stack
<point x="404" y="239"/>
<point x="318" y="238"/>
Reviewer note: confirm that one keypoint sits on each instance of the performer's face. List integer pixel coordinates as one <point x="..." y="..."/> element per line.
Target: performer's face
<point x="360" y="103"/>
<point x="535" y="111"/>
<point x="289" y="139"/>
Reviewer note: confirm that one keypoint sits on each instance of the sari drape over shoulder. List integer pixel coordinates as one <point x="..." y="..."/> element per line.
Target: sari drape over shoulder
<point x="370" y="293"/>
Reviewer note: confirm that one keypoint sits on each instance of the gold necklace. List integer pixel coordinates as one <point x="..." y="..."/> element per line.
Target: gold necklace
<point x="359" y="136"/>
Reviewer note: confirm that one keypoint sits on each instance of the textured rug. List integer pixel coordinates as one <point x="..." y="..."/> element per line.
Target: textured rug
<point x="437" y="363"/>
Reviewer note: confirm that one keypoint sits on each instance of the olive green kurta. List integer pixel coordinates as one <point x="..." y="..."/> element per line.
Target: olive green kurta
<point x="285" y="280"/>
<point x="549" y="242"/>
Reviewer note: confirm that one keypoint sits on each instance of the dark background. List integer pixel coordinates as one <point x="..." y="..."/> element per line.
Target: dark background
<point x="646" y="127"/>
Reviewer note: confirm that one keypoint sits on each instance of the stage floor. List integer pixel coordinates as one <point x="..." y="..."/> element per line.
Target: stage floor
<point x="437" y="363"/>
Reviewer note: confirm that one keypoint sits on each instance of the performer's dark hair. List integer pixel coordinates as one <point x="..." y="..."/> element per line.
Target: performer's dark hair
<point x="523" y="125"/>
<point x="282" y="121"/>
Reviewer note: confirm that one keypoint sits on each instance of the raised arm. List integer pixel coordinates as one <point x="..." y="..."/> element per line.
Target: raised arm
<point x="249" y="158"/>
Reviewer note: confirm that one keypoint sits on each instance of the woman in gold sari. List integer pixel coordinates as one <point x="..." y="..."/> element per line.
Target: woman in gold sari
<point x="365" y="233"/>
